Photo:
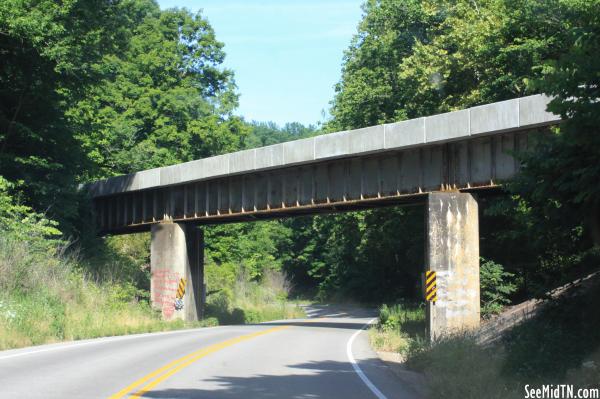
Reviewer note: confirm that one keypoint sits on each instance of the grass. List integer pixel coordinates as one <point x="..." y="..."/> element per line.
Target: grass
<point x="44" y="318"/>
<point x="252" y="301"/>
<point x="559" y="346"/>
<point x="45" y="297"/>
<point x="75" y="309"/>
<point x="399" y="328"/>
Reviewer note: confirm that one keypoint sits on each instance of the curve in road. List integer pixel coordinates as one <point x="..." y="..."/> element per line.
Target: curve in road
<point x="324" y="356"/>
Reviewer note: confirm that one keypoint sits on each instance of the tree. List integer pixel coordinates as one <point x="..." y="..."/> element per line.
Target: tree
<point x="268" y="133"/>
<point x="48" y="55"/>
<point x="91" y="89"/>
<point x="567" y="168"/>
<point x="416" y="58"/>
<point x="163" y="100"/>
<point x="369" y="91"/>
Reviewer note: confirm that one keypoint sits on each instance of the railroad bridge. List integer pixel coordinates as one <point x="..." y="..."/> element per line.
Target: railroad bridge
<point x="438" y="161"/>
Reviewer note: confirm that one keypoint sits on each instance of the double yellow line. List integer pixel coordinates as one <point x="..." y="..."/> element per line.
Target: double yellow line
<point x="156" y="377"/>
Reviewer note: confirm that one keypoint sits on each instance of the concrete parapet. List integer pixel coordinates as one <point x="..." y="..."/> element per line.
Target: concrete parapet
<point x="448" y="126"/>
<point x="367" y="140"/>
<point x="532" y="111"/>
<point x="496" y="117"/>
<point x="405" y="134"/>
<point x="242" y="161"/>
<point x="332" y="145"/>
<point x="299" y="151"/>
<point x="269" y="156"/>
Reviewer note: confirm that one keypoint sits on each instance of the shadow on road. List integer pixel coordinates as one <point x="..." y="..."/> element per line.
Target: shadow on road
<point x="343" y="317"/>
<point x="326" y="379"/>
<point x="339" y="311"/>
<point x="317" y="324"/>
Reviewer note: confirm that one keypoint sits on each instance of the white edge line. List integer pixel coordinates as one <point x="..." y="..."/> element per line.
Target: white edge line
<point x="357" y="369"/>
<point x="101" y="340"/>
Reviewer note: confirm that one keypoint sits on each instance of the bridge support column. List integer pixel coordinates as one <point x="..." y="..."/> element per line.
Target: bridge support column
<point x="177" y="269"/>
<point x="452" y="251"/>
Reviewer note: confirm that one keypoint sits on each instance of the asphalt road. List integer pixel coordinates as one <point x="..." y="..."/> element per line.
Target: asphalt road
<point x="324" y="356"/>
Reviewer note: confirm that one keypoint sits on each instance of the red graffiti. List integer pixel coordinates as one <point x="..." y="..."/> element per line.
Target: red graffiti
<point x="164" y="291"/>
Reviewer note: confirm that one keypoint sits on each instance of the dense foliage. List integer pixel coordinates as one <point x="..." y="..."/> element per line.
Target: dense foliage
<point x="94" y="89"/>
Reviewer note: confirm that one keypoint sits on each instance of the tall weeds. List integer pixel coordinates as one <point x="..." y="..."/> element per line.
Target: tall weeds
<point x="241" y="299"/>
<point x="399" y="328"/>
<point x="46" y="297"/>
<point x="559" y="345"/>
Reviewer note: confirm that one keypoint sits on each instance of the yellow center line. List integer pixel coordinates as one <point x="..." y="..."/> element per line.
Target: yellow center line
<point x="181" y="363"/>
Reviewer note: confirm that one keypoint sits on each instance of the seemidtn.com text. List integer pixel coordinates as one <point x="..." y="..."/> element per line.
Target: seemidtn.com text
<point x="560" y="391"/>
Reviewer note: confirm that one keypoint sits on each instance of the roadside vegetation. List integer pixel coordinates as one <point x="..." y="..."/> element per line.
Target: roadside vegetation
<point x="399" y="328"/>
<point x="561" y="345"/>
<point x="47" y="293"/>
<point x="235" y="298"/>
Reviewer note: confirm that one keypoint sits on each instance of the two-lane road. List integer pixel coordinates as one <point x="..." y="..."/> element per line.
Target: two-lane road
<point x="324" y="356"/>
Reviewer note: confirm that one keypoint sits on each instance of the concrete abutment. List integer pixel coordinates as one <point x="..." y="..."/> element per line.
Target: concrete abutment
<point x="177" y="271"/>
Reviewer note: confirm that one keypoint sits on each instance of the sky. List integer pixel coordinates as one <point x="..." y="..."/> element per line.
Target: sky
<point x="286" y="54"/>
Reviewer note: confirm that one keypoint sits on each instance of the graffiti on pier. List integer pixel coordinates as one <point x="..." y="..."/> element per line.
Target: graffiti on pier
<point x="165" y="285"/>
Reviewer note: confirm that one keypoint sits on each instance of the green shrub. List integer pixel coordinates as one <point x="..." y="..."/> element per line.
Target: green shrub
<point x="496" y="287"/>
<point x="22" y="222"/>
<point x="409" y="319"/>
<point x="399" y="326"/>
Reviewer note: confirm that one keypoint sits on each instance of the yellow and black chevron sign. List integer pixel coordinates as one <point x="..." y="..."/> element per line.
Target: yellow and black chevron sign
<point x="181" y="289"/>
<point x="430" y="286"/>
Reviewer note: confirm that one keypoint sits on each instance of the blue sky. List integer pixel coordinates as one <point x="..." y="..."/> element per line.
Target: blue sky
<point x="286" y="54"/>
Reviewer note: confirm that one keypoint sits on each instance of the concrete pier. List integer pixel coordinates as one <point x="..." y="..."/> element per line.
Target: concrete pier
<point x="177" y="269"/>
<point x="452" y="251"/>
